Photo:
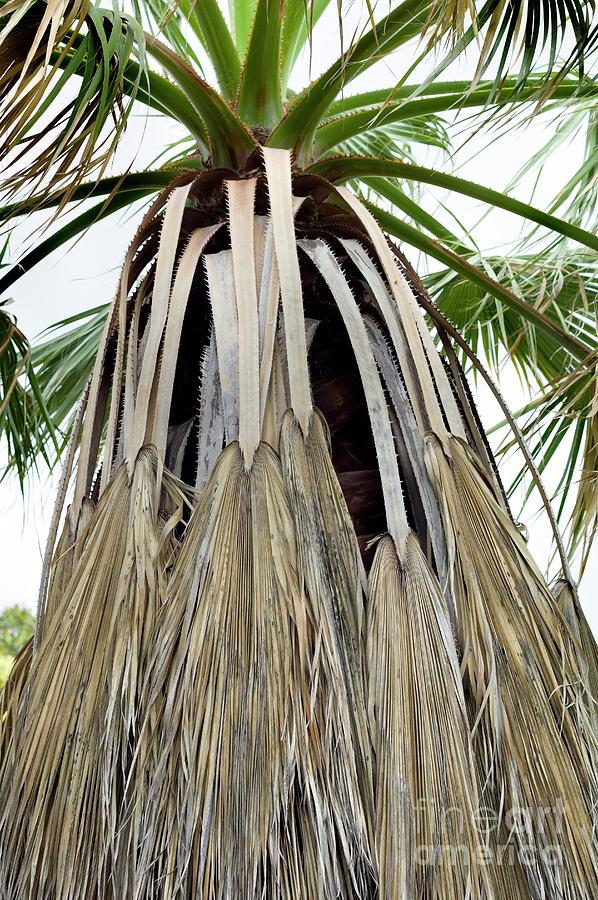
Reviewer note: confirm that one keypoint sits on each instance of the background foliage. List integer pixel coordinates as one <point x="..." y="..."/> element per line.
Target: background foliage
<point x="16" y="627"/>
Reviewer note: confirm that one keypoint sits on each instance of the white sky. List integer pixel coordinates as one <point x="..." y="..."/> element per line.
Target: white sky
<point x="84" y="275"/>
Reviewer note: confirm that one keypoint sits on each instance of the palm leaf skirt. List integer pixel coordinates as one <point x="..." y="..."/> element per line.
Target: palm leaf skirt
<point x="291" y="644"/>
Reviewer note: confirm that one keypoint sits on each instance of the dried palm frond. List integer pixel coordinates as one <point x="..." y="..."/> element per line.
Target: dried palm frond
<point x="584" y="643"/>
<point x="66" y="555"/>
<point x="584" y="516"/>
<point x="70" y="753"/>
<point x="330" y="565"/>
<point x="11" y="694"/>
<point x="248" y="792"/>
<point x="401" y="586"/>
<point x="489" y="564"/>
<point x="68" y="535"/>
<point x="522" y="680"/>
<point x="426" y="788"/>
<point x="318" y="811"/>
<point x="78" y="719"/>
<point x="200" y="715"/>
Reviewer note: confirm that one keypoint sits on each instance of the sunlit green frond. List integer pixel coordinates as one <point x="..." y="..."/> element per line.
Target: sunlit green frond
<point x="63" y="359"/>
<point x="564" y="289"/>
<point x="395" y="140"/>
<point x="207" y="22"/>
<point x="230" y="142"/>
<point x="260" y="99"/>
<point x="344" y="168"/>
<point x="451" y="90"/>
<point x="23" y="413"/>
<point x="374" y="112"/>
<point x="241" y="14"/>
<point x="151" y="180"/>
<point x="407" y="199"/>
<point x="297" y="129"/>
<point x="576" y="199"/>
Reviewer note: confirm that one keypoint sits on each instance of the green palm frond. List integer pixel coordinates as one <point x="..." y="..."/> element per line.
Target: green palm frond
<point x="63" y="360"/>
<point x="25" y="421"/>
<point x="576" y="199"/>
<point x="14" y="403"/>
<point x="48" y="141"/>
<point x="562" y="416"/>
<point x="395" y="140"/>
<point x="564" y="289"/>
<point x="519" y="32"/>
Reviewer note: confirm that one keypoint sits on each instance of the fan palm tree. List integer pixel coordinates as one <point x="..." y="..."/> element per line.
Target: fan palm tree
<point x="290" y="641"/>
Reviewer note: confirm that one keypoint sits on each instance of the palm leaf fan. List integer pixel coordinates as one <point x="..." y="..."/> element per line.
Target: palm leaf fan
<point x="216" y="705"/>
<point x="42" y="45"/>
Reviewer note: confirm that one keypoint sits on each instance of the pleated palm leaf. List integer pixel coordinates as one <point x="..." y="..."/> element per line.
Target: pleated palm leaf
<point x="290" y="641"/>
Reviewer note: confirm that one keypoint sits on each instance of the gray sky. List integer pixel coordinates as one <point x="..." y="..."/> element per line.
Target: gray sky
<point x="85" y="275"/>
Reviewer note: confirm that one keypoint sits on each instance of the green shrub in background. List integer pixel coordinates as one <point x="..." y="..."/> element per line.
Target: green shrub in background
<point x="16" y="627"/>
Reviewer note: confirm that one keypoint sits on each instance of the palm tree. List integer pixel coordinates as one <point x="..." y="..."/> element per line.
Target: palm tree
<point x="290" y="641"/>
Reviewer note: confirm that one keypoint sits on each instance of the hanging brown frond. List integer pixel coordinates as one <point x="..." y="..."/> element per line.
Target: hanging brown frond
<point x="582" y="643"/>
<point x="11" y="696"/>
<point x="330" y="565"/>
<point x="522" y="679"/>
<point x="584" y="516"/>
<point x="251" y="788"/>
<point x="69" y="758"/>
<point x="66" y="556"/>
<point x="426" y="792"/>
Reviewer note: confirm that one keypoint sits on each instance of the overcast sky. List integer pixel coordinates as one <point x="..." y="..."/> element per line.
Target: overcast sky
<point x="85" y="275"/>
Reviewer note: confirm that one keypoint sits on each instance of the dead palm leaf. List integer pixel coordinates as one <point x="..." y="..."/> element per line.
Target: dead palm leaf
<point x="78" y="716"/>
<point x="521" y="676"/>
<point x="246" y="792"/>
<point x="11" y="694"/>
<point x="582" y="643"/>
<point x="426" y="790"/>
